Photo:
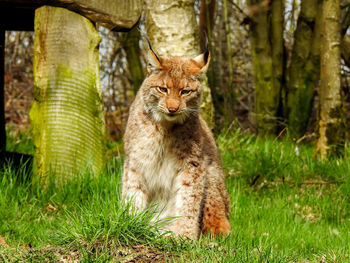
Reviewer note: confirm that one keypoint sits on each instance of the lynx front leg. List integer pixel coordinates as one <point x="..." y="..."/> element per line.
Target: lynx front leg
<point x="133" y="188"/>
<point x="188" y="204"/>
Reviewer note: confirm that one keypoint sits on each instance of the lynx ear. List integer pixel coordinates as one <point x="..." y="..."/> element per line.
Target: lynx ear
<point x="153" y="61"/>
<point x="202" y="61"/>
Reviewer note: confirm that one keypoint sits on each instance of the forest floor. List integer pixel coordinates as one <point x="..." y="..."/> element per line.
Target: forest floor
<point x="286" y="207"/>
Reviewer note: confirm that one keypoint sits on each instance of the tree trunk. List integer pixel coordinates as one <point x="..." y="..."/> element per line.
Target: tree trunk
<point x="304" y="67"/>
<point x="132" y="49"/>
<point x="345" y="39"/>
<point x="229" y="98"/>
<point x="172" y="29"/>
<point x="209" y="12"/>
<point x="113" y="14"/>
<point x="345" y="49"/>
<point x="206" y="22"/>
<point x="331" y="126"/>
<point x="67" y="113"/>
<point x="2" y="98"/>
<point x="266" y="36"/>
<point x="278" y="55"/>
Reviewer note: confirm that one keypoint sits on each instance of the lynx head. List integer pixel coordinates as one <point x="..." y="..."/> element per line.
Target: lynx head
<point x="172" y="90"/>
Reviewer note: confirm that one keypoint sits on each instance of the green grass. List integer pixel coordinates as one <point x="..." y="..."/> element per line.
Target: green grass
<point x="286" y="207"/>
<point x="19" y="141"/>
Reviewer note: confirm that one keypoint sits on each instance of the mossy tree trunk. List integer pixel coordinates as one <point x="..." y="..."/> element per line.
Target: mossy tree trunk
<point x="173" y="31"/>
<point x="67" y="113"/>
<point x="304" y="67"/>
<point x="229" y="88"/>
<point x="331" y="123"/>
<point x="278" y="57"/>
<point x="133" y="53"/>
<point x="266" y="36"/>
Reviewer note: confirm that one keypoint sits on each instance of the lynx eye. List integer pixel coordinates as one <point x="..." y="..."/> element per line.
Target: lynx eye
<point x="162" y="90"/>
<point x="185" y="92"/>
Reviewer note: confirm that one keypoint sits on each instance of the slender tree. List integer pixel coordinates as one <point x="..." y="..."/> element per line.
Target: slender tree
<point x="2" y="106"/>
<point x="345" y="42"/>
<point x="132" y="48"/>
<point x="207" y="16"/>
<point x="345" y="49"/>
<point x="266" y="37"/>
<point x="304" y="67"/>
<point x="229" y="91"/>
<point x="331" y="124"/>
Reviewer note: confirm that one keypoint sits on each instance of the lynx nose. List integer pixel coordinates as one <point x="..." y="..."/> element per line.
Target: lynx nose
<point x="172" y="109"/>
<point x="172" y="105"/>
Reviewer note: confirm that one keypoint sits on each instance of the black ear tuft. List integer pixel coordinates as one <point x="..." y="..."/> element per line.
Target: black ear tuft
<point x="144" y="34"/>
<point x="150" y="46"/>
<point x="153" y="61"/>
<point x="203" y="59"/>
<point x="206" y="56"/>
<point x="206" y="44"/>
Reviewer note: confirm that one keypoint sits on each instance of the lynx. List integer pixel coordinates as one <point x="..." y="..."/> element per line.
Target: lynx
<point x="171" y="155"/>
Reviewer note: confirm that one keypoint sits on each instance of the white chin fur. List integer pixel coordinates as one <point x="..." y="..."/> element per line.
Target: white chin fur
<point x="160" y="116"/>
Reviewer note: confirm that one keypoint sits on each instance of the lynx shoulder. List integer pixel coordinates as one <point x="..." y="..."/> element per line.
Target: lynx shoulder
<point x="171" y="156"/>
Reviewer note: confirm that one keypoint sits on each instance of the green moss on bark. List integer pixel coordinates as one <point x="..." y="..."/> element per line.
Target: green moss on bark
<point x="268" y="62"/>
<point x="335" y="134"/>
<point x="132" y="48"/>
<point x="304" y="68"/>
<point x="331" y="123"/>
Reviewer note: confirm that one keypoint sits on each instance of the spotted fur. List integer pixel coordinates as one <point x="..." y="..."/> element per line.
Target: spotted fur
<point x="171" y="156"/>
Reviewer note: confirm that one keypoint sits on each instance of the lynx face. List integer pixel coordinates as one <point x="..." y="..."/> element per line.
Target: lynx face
<point x="171" y="91"/>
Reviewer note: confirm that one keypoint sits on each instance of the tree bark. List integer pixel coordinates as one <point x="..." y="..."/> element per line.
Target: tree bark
<point x="2" y="98"/>
<point x="133" y="53"/>
<point x="172" y="29"/>
<point x="113" y="14"/>
<point x="345" y="39"/>
<point x="331" y="125"/>
<point x="304" y="67"/>
<point x="266" y="37"/>
<point x="206" y="22"/>
<point x="229" y="89"/>
<point x="207" y="16"/>
<point x="278" y="56"/>
<point x="67" y="113"/>
<point x="345" y="49"/>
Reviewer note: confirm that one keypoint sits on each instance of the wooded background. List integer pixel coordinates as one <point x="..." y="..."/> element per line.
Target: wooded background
<point x="278" y="68"/>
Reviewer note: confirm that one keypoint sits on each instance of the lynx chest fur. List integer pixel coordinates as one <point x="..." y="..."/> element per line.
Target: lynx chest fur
<point x="159" y="166"/>
<point x="171" y="156"/>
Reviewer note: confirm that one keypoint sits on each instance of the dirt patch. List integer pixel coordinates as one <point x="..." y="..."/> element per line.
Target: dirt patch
<point x="131" y="254"/>
<point x="142" y="254"/>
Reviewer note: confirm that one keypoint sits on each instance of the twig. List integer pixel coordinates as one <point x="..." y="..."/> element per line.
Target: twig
<point x="238" y="8"/>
